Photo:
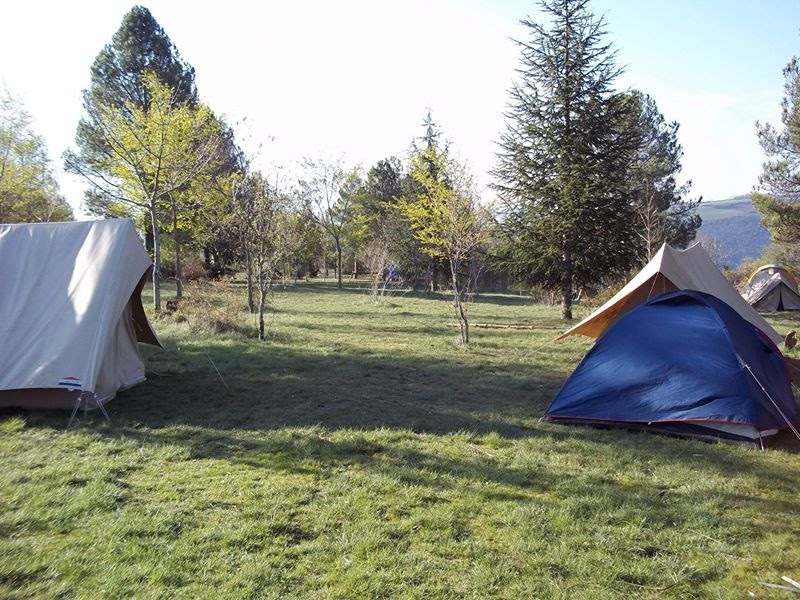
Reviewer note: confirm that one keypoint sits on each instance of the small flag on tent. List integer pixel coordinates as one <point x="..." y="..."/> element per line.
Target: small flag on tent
<point x="72" y="382"/>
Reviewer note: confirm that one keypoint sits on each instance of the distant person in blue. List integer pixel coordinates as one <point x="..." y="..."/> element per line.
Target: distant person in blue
<point x="392" y="272"/>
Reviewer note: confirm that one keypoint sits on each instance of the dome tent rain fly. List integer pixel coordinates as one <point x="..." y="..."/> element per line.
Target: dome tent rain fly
<point x="772" y="288"/>
<point x="685" y="363"/>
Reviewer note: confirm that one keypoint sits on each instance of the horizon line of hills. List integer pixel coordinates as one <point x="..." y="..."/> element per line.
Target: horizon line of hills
<point x="736" y="225"/>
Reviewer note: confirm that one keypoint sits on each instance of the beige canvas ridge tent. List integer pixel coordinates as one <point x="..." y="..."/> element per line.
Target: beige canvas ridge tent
<point x="669" y="270"/>
<point x="71" y="313"/>
<point x="772" y="288"/>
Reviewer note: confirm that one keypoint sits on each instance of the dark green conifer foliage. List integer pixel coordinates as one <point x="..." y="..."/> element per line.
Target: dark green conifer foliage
<point x="777" y="196"/>
<point x="663" y="213"/>
<point x="564" y="155"/>
<point x="139" y="45"/>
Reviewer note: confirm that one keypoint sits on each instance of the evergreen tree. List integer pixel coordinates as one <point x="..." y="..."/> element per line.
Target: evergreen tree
<point x="377" y="205"/>
<point x="429" y="153"/>
<point x="564" y="155"/>
<point x="139" y="46"/>
<point x="778" y="194"/>
<point x="384" y="185"/>
<point x="663" y="214"/>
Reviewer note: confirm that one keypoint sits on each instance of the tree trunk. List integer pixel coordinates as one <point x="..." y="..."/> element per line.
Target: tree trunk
<point x="178" y="271"/>
<point x="435" y="277"/>
<point x="148" y="234"/>
<point x="262" y="297"/>
<point x="178" y="265"/>
<point x="459" y="308"/>
<point x="566" y="298"/>
<point x="339" y="263"/>
<point x="325" y="263"/>
<point x="156" y="258"/>
<point x="248" y="265"/>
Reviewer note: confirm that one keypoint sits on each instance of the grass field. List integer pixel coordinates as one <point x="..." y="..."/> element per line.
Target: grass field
<point x="360" y="453"/>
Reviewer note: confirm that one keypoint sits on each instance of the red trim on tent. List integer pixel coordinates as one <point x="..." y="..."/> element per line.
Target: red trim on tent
<point x="555" y="417"/>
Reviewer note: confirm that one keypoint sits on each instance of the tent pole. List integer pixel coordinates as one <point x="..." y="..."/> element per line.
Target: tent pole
<point x="102" y="408"/>
<point x="84" y="397"/>
<point x="75" y="410"/>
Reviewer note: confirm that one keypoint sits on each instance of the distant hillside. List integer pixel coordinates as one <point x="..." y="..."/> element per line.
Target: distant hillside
<point x="735" y="223"/>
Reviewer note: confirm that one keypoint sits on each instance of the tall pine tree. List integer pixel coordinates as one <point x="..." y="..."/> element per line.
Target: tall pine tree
<point x="139" y="46"/>
<point x="777" y="196"/>
<point x="564" y="155"/>
<point x="663" y="213"/>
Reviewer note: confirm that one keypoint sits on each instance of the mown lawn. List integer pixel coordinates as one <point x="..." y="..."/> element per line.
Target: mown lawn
<point x="359" y="453"/>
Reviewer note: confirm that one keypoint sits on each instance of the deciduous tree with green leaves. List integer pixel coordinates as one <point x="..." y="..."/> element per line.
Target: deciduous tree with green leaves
<point x="567" y="215"/>
<point x="446" y="220"/>
<point x="777" y="196"/>
<point x="150" y="153"/>
<point x="28" y="190"/>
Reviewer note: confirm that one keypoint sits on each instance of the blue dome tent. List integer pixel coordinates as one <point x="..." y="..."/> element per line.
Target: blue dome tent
<point x="684" y="363"/>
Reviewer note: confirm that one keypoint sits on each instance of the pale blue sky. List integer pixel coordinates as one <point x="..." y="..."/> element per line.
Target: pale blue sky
<point x="355" y="77"/>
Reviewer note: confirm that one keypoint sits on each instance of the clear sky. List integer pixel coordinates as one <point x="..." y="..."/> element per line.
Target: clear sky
<point x="356" y="77"/>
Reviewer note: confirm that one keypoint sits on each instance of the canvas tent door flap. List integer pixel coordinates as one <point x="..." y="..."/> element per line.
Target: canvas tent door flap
<point x="684" y="363"/>
<point x="71" y="314"/>
<point x="671" y="269"/>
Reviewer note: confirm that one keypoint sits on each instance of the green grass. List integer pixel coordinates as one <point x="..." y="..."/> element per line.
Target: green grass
<point x="360" y="453"/>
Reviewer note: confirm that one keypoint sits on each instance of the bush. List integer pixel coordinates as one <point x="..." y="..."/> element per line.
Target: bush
<point x="194" y="270"/>
<point x="212" y="305"/>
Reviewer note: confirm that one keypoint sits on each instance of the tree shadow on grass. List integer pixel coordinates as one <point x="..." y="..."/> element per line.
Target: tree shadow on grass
<point x="270" y="388"/>
<point x="278" y="386"/>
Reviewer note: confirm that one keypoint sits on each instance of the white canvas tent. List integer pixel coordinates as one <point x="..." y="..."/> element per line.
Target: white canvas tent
<point x="772" y="288"/>
<point x="670" y="270"/>
<point x="71" y="313"/>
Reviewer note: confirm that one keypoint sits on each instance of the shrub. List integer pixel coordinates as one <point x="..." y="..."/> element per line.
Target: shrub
<point x="212" y="305"/>
<point x="194" y="270"/>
